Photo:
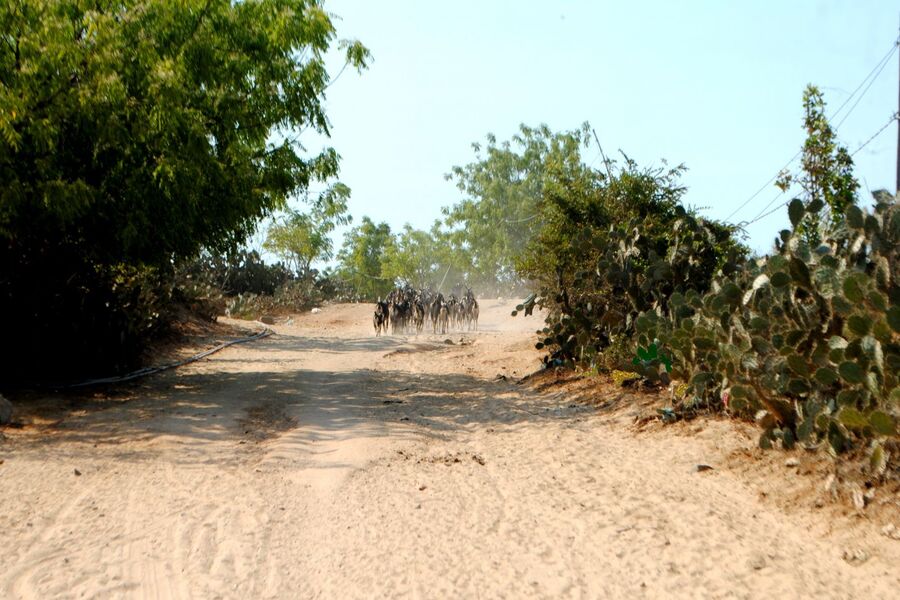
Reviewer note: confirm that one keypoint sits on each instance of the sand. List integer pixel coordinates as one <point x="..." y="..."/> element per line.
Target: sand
<point x="324" y="462"/>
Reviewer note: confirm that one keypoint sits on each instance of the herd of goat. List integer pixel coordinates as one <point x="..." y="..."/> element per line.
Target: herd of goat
<point x="408" y="310"/>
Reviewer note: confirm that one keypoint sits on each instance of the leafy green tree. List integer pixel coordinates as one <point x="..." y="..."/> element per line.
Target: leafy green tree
<point x="133" y="133"/>
<point x="411" y="258"/>
<point x="613" y="247"/>
<point x="302" y="238"/>
<point x="504" y="188"/>
<point x="362" y="259"/>
<point x="827" y="177"/>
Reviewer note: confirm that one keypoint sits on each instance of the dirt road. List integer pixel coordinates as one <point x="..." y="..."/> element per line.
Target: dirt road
<point x="325" y="462"/>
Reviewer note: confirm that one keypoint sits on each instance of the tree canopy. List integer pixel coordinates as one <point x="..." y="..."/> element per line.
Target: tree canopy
<point x="362" y="258"/>
<point x="300" y="238"/>
<point x="504" y="188"/>
<point x="133" y="134"/>
<point x="124" y="117"/>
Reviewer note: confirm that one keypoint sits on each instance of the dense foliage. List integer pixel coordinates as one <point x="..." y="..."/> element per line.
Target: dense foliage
<point x="501" y="213"/>
<point x="615" y="245"/>
<point x="133" y="134"/>
<point x="480" y="239"/>
<point x="242" y="272"/>
<point x="362" y="259"/>
<point x="300" y="238"/>
<point x="806" y="340"/>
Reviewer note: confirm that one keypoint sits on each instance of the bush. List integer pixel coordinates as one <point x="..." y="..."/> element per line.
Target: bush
<point x="614" y="247"/>
<point x="72" y="318"/>
<point x="806" y="340"/>
<point x="293" y="296"/>
<point x="242" y="272"/>
<point x="130" y="138"/>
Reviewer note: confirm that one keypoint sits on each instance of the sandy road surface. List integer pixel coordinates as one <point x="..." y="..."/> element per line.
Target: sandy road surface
<point x="323" y="462"/>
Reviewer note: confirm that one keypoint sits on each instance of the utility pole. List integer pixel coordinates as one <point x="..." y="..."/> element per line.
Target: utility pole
<point x="897" y="188"/>
<point x="609" y="172"/>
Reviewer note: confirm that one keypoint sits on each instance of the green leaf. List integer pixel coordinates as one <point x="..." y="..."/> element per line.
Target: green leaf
<point x="759" y="324"/>
<point x="878" y="460"/>
<point x="799" y="272"/>
<point x="741" y="391"/>
<point x="851" y="372"/>
<point x="787" y="439"/>
<point x="798" y="386"/>
<point x="852" y="418"/>
<point x="854" y="287"/>
<point x="878" y="300"/>
<point x="855" y="216"/>
<point x="826" y="376"/>
<point x="894" y="397"/>
<point x="893" y="318"/>
<point x="780" y="279"/>
<point x="841" y="305"/>
<point x="796" y="211"/>
<point x="732" y="292"/>
<point x="848" y="397"/>
<point x="704" y="343"/>
<point x="859" y="325"/>
<point x="837" y="438"/>
<point x="882" y="422"/>
<point x="798" y="364"/>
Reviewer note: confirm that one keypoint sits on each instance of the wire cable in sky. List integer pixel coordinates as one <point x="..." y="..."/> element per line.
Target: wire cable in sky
<point x="764" y="187"/>
<point x="763" y="214"/>
<point x="878" y="67"/>
<point x="863" y="94"/>
<point x="759" y="215"/>
<point x="773" y="211"/>
<point x="534" y="216"/>
<point x="870" y="78"/>
<point x="893" y="118"/>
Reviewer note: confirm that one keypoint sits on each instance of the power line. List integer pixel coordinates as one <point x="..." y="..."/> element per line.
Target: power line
<point x="765" y="208"/>
<point x="893" y="118"/>
<point x="358" y="272"/>
<point x="878" y="67"/>
<point x="764" y="187"/>
<point x="876" y="71"/>
<point x="774" y="210"/>
<point x="884" y="63"/>
<point x="534" y="216"/>
<point x="763" y="214"/>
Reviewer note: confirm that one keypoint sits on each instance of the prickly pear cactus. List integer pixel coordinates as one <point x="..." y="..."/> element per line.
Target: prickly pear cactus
<point x="806" y="340"/>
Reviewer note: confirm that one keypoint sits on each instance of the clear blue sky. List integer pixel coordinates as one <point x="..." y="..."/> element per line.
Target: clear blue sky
<point x="715" y="85"/>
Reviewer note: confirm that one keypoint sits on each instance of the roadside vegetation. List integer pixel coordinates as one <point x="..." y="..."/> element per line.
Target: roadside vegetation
<point x="133" y="136"/>
<point x="143" y="143"/>
<point x="805" y="340"/>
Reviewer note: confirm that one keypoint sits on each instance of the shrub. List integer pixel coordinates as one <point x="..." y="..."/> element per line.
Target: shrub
<point x="241" y="272"/>
<point x="613" y="248"/>
<point x="806" y="340"/>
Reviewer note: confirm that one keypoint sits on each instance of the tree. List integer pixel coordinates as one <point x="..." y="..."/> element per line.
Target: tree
<point x="504" y="186"/>
<point x="827" y="177"/>
<point x="133" y="133"/>
<point x="362" y="258"/>
<point x="613" y="247"/>
<point x="302" y="238"/>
